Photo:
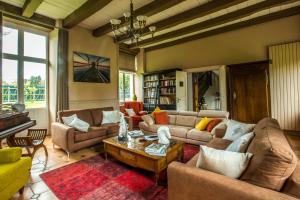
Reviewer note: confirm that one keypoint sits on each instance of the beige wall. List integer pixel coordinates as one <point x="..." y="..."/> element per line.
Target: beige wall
<point x="244" y="45"/>
<point x="87" y="95"/>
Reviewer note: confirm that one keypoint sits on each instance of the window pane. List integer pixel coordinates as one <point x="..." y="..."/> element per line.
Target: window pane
<point x="10" y="40"/>
<point x="9" y="81"/>
<point x="34" y="84"/>
<point x="128" y="85"/>
<point x="121" y="93"/>
<point x="34" y="45"/>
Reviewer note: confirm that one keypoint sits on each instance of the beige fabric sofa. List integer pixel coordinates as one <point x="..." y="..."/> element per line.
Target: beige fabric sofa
<point x="71" y="140"/>
<point x="182" y="125"/>
<point x="273" y="172"/>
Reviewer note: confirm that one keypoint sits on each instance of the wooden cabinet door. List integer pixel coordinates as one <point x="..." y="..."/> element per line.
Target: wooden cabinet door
<point x="249" y="91"/>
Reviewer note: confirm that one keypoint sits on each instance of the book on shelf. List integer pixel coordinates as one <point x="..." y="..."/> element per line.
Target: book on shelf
<point x="156" y="149"/>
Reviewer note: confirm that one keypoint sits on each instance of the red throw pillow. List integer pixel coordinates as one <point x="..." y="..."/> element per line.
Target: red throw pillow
<point x="161" y="117"/>
<point x="212" y="124"/>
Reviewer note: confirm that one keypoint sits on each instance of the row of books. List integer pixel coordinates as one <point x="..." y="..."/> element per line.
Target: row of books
<point x="171" y="90"/>
<point x="166" y="100"/>
<point x="150" y="93"/>
<point x="150" y="101"/>
<point x="151" y="84"/>
<point x="156" y="149"/>
<point x="168" y="83"/>
<point x="151" y="78"/>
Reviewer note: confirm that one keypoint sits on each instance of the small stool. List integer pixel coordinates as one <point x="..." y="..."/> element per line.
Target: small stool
<point x="35" y="139"/>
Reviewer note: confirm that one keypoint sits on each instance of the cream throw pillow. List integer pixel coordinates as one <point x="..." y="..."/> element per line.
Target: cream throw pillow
<point x="130" y="112"/>
<point x="80" y="125"/>
<point x="67" y="120"/>
<point x="227" y="163"/>
<point x="241" y="144"/>
<point x="111" y="117"/>
<point x="148" y="119"/>
<point x="236" y="129"/>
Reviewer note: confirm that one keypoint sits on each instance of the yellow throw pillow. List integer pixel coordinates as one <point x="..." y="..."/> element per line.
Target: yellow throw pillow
<point x="156" y="110"/>
<point x="201" y="126"/>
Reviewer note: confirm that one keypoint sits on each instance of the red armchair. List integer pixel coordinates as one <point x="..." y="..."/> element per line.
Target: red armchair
<point x="133" y="121"/>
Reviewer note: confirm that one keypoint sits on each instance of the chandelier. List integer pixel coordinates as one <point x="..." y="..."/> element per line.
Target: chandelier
<point x="133" y="27"/>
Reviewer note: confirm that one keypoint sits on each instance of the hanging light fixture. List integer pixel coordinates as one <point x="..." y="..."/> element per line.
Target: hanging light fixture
<point x="133" y="27"/>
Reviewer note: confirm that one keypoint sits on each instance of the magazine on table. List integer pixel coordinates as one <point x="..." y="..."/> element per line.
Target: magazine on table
<point x="135" y="133"/>
<point x="157" y="149"/>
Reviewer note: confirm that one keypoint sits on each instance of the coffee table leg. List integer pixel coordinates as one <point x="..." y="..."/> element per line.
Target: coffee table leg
<point x="105" y="154"/>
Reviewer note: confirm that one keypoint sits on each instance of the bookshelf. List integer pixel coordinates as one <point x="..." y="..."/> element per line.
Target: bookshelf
<point x="160" y="90"/>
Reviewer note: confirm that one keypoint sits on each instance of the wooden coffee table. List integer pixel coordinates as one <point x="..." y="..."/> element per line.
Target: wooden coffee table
<point x="132" y="153"/>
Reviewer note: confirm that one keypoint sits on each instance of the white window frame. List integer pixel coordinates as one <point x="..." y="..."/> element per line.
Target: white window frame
<point x="20" y="58"/>
<point x="121" y="101"/>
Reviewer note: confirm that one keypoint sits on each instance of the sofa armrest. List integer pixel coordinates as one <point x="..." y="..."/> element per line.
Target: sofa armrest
<point x="62" y="135"/>
<point x="129" y="121"/>
<point x="187" y="182"/>
<point x="9" y="155"/>
<point x="220" y="130"/>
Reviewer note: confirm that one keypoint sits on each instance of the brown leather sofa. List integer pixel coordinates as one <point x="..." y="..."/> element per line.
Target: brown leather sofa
<point x="182" y="125"/>
<point x="71" y="140"/>
<point x="273" y="172"/>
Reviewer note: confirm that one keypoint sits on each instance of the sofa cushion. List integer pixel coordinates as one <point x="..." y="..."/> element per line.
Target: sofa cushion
<point x="292" y="185"/>
<point x="144" y="126"/>
<point x="161" y="117"/>
<point x="195" y="134"/>
<point x="213" y="114"/>
<point x="111" y="128"/>
<point x="219" y="143"/>
<point x="241" y="144"/>
<point x="98" y="115"/>
<point x="236" y="129"/>
<point x="179" y="131"/>
<point x="94" y="132"/>
<point x="148" y="119"/>
<point x="201" y="126"/>
<point x="228" y="163"/>
<point x="273" y="162"/>
<point x="84" y="115"/>
<point x="185" y="120"/>
<point x="11" y="172"/>
<point x="172" y="119"/>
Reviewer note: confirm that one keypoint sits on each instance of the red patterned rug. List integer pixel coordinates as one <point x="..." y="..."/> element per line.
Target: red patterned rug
<point x="95" y="178"/>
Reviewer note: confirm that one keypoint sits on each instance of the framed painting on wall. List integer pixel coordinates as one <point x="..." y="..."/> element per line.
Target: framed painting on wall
<point x="90" y="68"/>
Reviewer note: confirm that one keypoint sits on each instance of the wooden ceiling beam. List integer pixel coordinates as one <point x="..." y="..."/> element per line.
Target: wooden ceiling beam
<point x="30" y="7"/>
<point x="86" y="10"/>
<point x="150" y="9"/>
<point x="16" y="13"/>
<point x="124" y="48"/>
<point x="199" y="11"/>
<point x="212" y="22"/>
<point x="258" y="20"/>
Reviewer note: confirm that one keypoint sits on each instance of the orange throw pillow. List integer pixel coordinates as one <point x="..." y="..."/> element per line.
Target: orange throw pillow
<point x="161" y="117"/>
<point x="212" y="124"/>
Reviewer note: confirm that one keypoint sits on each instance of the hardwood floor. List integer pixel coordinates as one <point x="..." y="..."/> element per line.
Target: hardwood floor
<point x="36" y="189"/>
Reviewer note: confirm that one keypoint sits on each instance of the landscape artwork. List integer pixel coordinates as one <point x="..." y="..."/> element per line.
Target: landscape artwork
<point x="90" y="68"/>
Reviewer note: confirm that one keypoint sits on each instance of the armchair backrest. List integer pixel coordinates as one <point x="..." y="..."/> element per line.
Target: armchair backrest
<point x="135" y="105"/>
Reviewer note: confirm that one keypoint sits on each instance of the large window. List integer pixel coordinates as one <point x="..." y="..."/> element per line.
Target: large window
<point x="24" y="67"/>
<point x="126" y="86"/>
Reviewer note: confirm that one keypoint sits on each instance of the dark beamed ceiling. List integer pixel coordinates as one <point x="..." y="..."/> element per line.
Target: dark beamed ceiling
<point x="177" y="21"/>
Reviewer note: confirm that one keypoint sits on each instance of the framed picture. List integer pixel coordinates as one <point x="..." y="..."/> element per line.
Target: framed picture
<point x="90" y="68"/>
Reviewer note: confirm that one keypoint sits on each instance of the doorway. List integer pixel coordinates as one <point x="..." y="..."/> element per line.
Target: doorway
<point x="206" y="90"/>
<point x="248" y="86"/>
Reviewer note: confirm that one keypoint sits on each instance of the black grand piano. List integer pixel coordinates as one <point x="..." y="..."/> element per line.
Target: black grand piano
<point x="14" y="122"/>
